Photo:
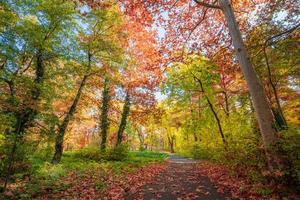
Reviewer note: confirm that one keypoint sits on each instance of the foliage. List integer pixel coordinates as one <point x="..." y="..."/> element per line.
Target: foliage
<point x="80" y="76"/>
<point x="289" y="146"/>
<point x="118" y="153"/>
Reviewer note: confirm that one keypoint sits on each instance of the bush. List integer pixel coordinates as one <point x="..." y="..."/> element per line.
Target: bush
<point x="118" y="153"/>
<point x="21" y="161"/>
<point x="90" y="153"/>
<point x="289" y="147"/>
<point x="196" y="151"/>
<point x="199" y="152"/>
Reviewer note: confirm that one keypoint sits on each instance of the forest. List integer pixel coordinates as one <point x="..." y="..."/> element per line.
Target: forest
<point x="156" y="99"/>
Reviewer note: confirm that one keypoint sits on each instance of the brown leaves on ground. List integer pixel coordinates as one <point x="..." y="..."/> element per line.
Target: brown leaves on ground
<point x="179" y="181"/>
<point x="96" y="184"/>
<point x="241" y="188"/>
<point x="130" y="183"/>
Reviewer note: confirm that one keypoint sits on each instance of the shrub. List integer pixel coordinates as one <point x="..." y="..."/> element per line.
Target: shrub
<point x="90" y="153"/>
<point x="196" y="151"/>
<point x="289" y="147"/>
<point x="118" y="153"/>
<point x="199" y="152"/>
<point x="21" y="161"/>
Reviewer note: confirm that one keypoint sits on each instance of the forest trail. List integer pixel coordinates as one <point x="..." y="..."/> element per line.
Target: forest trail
<point x="179" y="181"/>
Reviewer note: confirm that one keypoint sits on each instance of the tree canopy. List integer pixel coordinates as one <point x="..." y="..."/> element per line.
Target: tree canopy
<point x="210" y="79"/>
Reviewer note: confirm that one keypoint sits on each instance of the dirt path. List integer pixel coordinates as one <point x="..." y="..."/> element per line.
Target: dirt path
<point x="179" y="181"/>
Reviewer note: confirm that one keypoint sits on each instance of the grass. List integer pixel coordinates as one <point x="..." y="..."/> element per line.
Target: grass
<point x="83" y="163"/>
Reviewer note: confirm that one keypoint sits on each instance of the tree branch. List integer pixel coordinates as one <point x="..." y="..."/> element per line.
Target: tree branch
<point x="207" y="5"/>
<point x="267" y="42"/>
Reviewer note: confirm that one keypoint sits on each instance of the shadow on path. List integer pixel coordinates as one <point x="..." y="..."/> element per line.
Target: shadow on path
<point x="180" y="181"/>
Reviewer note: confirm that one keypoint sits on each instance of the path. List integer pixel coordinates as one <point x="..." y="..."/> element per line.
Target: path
<point x="179" y="181"/>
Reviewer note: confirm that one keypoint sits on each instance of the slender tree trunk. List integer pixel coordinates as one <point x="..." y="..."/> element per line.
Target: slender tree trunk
<point x="39" y="75"/>
<point x="171" y="143"/>
<point x="104" y="113"/>
<point x="141" y="139"/>
<point x="212" y="110"/>
<point x="64" y="125"/>
<point x="125" y="114"/>
<point x="261" y="105"/>
<point x="282" y="122"/>
<point x="13" y="151"/>
<point x="194" y="130"/>
<point x="217" y="119"/>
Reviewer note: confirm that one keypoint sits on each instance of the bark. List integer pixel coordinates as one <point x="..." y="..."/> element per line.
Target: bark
<point x="63" y="127"/>
<point x="125" y="114"/>
<point x="104" y="113"/>
<point x="171" y="140"/>
<point x="141" y="139"/>
<point x="261" y="105"/>
<point x="212" y="110"/>
<point x="17" y="132"/>
<point x="282" y="123"/>
<point x="39" y="75"/>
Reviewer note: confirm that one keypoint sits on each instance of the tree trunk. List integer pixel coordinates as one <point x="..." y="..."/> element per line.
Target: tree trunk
<point x="171" y="143"/>
<point x="212" y="110"/>
<point x="281" y="121"/>
<point x="104" y="113"/>
<point x="63" y="127"/>
<point x="39" y="75"/>
<point x="263" y="111"/>
<point x="17" y="132"/>
<point x="125" y="114"/>
<point x="141" y="139"/>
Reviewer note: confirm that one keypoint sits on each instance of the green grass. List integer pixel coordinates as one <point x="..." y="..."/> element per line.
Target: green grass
<point x="148" y="155"/>
<point x="83" y="162"/>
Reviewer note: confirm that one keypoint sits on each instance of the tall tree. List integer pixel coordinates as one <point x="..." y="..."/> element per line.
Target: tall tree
<point x="125" y="113"/>
<point x="31" y="43"/>
<point x="63" y="126"/>
<point x="261" y="105"/>
<point x="104" y="112"/>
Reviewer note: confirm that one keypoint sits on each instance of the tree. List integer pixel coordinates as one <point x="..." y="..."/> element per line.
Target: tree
<point x="63" y="126"/>
<point x="104" y="112"/>
<point x="30" y="43"/>
<point x="125" y="113"/>
<point x="97" y="47"/>
<point x="261" y="105"/>
<point x="195" y="76"/>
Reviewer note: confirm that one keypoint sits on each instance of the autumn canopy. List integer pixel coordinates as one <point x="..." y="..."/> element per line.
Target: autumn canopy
<point x="127" y="82"/>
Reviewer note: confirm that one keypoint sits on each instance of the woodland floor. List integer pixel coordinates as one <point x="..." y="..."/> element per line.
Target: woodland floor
<point x="143" y="176"/>
<point x="180" y="180"/>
